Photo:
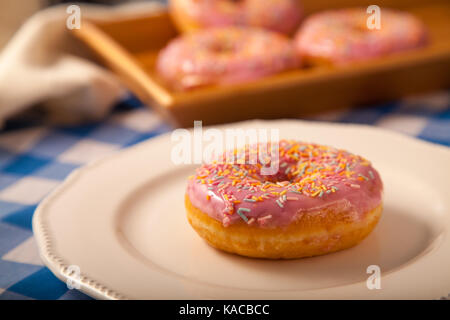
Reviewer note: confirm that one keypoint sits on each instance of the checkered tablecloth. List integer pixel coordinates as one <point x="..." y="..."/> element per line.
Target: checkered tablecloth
<point x="34" y="159"/>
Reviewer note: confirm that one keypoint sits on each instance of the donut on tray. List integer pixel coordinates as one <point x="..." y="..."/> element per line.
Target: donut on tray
<point x="341" y="36"/>
<point x="224" y="56"/>
<point x="276" y="15"/>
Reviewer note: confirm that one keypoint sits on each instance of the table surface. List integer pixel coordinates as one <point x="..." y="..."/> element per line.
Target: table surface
<point x="34" y="159"/>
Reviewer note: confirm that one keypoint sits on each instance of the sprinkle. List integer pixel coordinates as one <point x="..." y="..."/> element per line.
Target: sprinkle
<point x="371" y="174"/>
<point x="226" y="221"/>
<point x="362" y="176"/>
<point x="303" y="171"/>
<point x="265" y="217"/>
<point x="240" y="212"/>
<point x="251" y="221"/>
<point x="316" y="193"/>
<point x="279" y="203"/>
<point x="292" y="198"/>
<point x="355" y="186"/>
<point x="250" y="200"/>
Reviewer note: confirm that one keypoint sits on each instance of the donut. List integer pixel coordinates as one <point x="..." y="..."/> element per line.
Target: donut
<point x="276" y="15"/>
<point x="224" y="56"/>
<point x="320" y="200"/>
<point x="341" y="36"/>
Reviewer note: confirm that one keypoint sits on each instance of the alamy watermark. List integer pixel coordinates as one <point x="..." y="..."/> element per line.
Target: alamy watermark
<point x="374" y="20"/>
<point x="232" y="146"/>
<point x="73" y="21"/>
<point x="74" y="277"/>
<point x="374" y="280"/>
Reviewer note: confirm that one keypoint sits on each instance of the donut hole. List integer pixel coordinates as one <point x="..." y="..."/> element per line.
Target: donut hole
<point x="279" y="177"/>
<point x="284" y="168"/>
<point x="237" y="2"/>
<point x="222" y="47"/>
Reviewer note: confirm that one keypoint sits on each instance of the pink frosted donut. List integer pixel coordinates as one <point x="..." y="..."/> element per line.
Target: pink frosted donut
<point x="277" y="15"/>
<point x="224" y="56"/>
<point x="321" y="200"/>
<point x="342" y="36"/>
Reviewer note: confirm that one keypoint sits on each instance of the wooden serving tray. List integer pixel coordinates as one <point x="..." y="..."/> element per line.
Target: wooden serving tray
<point x="130" y="47"/>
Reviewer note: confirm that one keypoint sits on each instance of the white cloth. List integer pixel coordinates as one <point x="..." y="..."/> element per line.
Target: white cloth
<point x="43" y="64"/>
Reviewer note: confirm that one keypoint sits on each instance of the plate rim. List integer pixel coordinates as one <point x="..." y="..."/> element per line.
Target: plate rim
<point x="94" y="288"/>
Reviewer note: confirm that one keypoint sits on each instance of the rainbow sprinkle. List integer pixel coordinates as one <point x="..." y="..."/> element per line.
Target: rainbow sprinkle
<point x="241" y="213"/>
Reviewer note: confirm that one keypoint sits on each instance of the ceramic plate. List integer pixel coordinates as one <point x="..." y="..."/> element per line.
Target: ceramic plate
<point x="121" y="223"/>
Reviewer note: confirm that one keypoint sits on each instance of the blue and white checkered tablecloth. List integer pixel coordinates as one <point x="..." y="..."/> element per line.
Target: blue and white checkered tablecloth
<point x="35" y="159"/>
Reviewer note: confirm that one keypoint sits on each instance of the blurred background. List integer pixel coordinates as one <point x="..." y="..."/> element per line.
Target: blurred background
<point x="13" y="13"/>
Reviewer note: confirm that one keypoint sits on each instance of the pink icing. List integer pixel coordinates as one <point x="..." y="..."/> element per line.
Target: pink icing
<point x="342" y="36"/>
<point x="224" y="56"/>
<point x="277" y="15"/>
<point x="331" y="178"/>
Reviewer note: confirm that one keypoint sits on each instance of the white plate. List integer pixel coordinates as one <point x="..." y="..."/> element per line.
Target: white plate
<point x="122" y="222"/>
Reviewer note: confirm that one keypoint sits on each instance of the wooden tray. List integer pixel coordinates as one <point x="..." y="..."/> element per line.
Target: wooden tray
<point x="130" y="47"/>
